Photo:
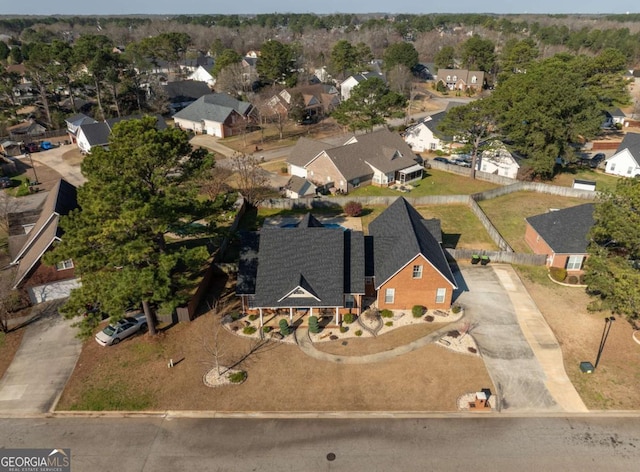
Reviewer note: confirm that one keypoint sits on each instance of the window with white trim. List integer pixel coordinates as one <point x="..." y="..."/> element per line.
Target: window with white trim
<point x="629" y="170"/>
<point x="612" y="167"/>
<point x="417" y="271"/>
<point x="574" y="262"/>
<point x="68" y="264"/>
<point x="440" y="294"/>
<point x="349" y="301"/>
<point x="389" y="295"/>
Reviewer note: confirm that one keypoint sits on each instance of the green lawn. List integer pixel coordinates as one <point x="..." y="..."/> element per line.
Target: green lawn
<point x="435" y="182"/>
<point x="507" y="213"/>
<point x="604" y="182"/>
<point x="460" y="227"/>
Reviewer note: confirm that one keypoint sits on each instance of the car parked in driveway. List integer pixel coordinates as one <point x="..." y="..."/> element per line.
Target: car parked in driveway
<point x="46" y="145"/>
<point x="462" y="162"/>
<point x="114" y="333"/>
<point x="444" y="160"/>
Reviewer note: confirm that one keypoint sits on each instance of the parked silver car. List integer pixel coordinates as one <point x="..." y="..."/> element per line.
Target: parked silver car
<point x="114" y="333"/>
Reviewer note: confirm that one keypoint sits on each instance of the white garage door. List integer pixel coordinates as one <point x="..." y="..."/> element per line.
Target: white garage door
<point x="52" y="291"/>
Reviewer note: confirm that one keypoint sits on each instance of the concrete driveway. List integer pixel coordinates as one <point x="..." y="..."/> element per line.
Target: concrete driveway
<point x="519" y="349"/>
<point x="41" y="367"/>
<point x="53" y="159"/>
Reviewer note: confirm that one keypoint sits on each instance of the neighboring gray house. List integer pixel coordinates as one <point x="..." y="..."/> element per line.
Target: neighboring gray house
<point x="40" y="281"/>
<point x="298" y="187"/>
<point x="217" y="114"/>
<point x="183" y="93"/>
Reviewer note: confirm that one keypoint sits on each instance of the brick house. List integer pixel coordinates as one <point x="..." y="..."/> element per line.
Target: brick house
<point x="410" y="267"/>
<point x="380" y="158"/>
<point x="322" y="270"/>
<point x="562" y="235"/>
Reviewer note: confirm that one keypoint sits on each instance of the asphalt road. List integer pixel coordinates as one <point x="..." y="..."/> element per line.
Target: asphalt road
<point x="482" y="443"/>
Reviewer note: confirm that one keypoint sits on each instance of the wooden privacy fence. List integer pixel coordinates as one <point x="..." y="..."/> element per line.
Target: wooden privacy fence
<point x="499" y="256"/>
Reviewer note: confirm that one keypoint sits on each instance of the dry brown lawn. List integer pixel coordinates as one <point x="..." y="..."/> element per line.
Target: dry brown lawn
<point x="615" y="384"/>
<point x="280" y="376"/>
<point x="9" y="344"/>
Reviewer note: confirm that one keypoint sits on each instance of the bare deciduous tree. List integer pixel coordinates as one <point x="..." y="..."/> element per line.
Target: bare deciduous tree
<point x="252" y="181"/>
<point x="214" y="182"/>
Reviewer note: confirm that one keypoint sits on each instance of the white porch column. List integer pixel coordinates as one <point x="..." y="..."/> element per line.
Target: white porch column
<point x="260" y="310"/>
<point x="310" y="311"/>
<point x="337" y="316"/>
<point x="290" y="314"/>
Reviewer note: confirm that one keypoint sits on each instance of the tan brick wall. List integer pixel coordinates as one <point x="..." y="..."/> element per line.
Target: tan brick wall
<point x="410" y="291"/>
<point x="535" y="242"/>
<point x="539" y="246"/>
<point x="323" y="167"/>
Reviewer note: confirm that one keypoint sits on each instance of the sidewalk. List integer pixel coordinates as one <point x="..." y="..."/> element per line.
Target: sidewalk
<point x="542" y="341"/>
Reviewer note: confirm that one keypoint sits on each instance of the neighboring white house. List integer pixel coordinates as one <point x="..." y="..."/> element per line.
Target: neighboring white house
<point x="350" y="82"/>
<point x="498" y="161"/>
<point x="424" y="135"/>
<point x="614" y="117"/>
<point x="626" y="161"/>
<point x="201" y="75"/>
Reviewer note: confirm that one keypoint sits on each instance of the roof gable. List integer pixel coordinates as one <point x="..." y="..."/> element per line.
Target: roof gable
<point x="565" y="231"/>
<point x="399" y="235"/>
<point x="62" y="199"/>
<point x="631" y="142"/>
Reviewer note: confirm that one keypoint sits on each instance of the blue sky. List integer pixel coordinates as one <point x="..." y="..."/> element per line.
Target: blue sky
<point x="126" y="7"/>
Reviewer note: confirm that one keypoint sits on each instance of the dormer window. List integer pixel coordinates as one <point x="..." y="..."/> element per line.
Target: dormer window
<point x="455" y="78"/>
<point x="474" y="79"/>
<point x="448" y="78"/>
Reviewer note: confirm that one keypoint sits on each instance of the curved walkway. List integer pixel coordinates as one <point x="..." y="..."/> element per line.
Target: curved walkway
<point x="305" y="344"/>
<point x="519" y="349"/>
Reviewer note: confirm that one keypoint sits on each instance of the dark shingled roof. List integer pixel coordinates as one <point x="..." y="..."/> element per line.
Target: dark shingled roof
<point x="182" y="91"/>
<point x="631" y="141"/>
<point x="97" y="134"/>
<point x="325" y="262"/>
<point x="565" y="231"/>
<point x="399" y="235"/>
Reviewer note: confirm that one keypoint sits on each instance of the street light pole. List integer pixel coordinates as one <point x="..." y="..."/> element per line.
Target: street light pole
<point x="35" y="175"/>
<point x="608" y="321"/>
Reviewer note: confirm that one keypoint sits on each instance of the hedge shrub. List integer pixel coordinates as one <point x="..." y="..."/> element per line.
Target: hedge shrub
<point x="313" y="324"/>
<point x="558" y="274"/>
<point x="386" y="313"/>
<point x="418" y="311"/>
<point x="249" y="330"/>
<point x="284" y="327"/>
<point x="353" y="208"/>
<point x="349" y="318"/>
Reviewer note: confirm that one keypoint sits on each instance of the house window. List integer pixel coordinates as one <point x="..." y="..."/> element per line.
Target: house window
<point x="574" y="262"/>
<point x="349" y="301"/>
<point x="440" y="294"/>
<point x="417" y="271"/>
<point x="455" y="78"/>
<point x="629" y="170"/>
<point x="448" y="78"/>
<point x="389" y="295"/>
<point x="613" y="167"/>
<point x="68" y="264"/>
<point x="433" y="146"/>
<point x="474" y="79"/>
